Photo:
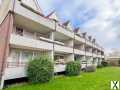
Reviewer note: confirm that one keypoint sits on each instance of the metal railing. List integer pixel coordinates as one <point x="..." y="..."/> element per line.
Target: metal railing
<point x="15" y="64"/>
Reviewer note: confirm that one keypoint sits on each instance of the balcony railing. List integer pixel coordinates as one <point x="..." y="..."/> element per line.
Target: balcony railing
<point x="25" y="42"/>
<point x="26" y="14"/>
<point x="79" y="52"/>
<point x="61" y="48"/>
<point x="59" y="68"/>
<point x="62" y="30"/>
<point x="15" y="64"/>
<point x="88" y="54"/>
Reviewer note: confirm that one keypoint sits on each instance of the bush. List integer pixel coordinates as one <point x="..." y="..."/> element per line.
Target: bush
<point x="40" y="70"/>
<point x="90" y="68"/>
<point x="73" y="68"/>
<point x="104" y="63"/>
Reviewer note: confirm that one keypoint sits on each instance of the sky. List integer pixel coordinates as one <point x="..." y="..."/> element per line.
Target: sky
<point x="100" y="18"/>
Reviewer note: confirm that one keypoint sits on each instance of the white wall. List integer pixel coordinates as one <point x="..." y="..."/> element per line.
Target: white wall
<point x="69" y="43"/>
<point x="17" y="72"/>
<point x="25" y="43"/>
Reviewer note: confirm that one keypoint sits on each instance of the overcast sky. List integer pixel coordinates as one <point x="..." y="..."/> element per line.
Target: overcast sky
<point x="100" y="18"/>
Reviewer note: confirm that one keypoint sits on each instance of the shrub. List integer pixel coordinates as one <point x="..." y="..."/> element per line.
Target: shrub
<point x="104" y="63"/>
<point x="73" y="68"/>
<point x="40" y="70"/>
<point x="90" y="68"/>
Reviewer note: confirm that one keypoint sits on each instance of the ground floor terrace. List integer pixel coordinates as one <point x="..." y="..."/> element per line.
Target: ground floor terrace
<point x="99" y="80"/>
<point x="18" y="58"/>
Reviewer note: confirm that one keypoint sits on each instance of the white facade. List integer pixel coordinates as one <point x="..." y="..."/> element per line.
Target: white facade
<point x="35" y="35"/>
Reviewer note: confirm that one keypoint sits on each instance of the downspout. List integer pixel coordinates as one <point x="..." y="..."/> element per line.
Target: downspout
<point x="92" y="53"/>
<point x="74" y="46"/>
<point x="85" y="52"/>
<point x="97" y="56"/>
<point x="53" y="40"/>
<point x="101" y="56"/>
<point x="53" y="36"/>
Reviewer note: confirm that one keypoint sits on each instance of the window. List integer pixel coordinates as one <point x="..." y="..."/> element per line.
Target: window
<point x="94" y="60"/>
<point x="26" y="55"/>
<point x="14" y="56"/>
<point x="38" y="35"/>
<point x="56" y="57"/>
<point x="38" y="54"/>
<point x="61" y="57"/>
<point x="19" y="31"/>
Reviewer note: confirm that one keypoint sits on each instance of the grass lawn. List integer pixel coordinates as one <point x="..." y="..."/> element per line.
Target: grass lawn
<point x="99" y="80"/>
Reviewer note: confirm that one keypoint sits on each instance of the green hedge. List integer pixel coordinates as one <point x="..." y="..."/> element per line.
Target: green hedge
<point x="73" y="68"/>
<point x="40" y="70"/>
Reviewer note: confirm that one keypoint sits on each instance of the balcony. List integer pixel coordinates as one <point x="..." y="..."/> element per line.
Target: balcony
<point x="31" y="19"/>
<point x="79" y="52"/>
<point x="20" y="71"/>
<point x="98" y="47"/>
<point x="65" y="49"/>
<point x="94" y="55"/>
<point x="99" y="56"/>
<point x="89" y="43"/>
<point x="59" y="68"/>
<point x="103" y="56"/>
<point x="26" y="43"/>
<point x="79" y="39"/>
<point x="17" y="72"/>
<point x="65" y="32"/>
<point x="88" y="53"/>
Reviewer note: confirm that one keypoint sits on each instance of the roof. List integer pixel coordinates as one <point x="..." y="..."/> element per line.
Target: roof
<point x="32" y="4"/>
<point x="53" y="16"/>
<point x="68" y="25"/>
<point x="76" y="30"/>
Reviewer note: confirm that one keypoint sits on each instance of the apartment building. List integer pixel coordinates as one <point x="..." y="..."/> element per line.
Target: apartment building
<point x="25" y="32"/>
